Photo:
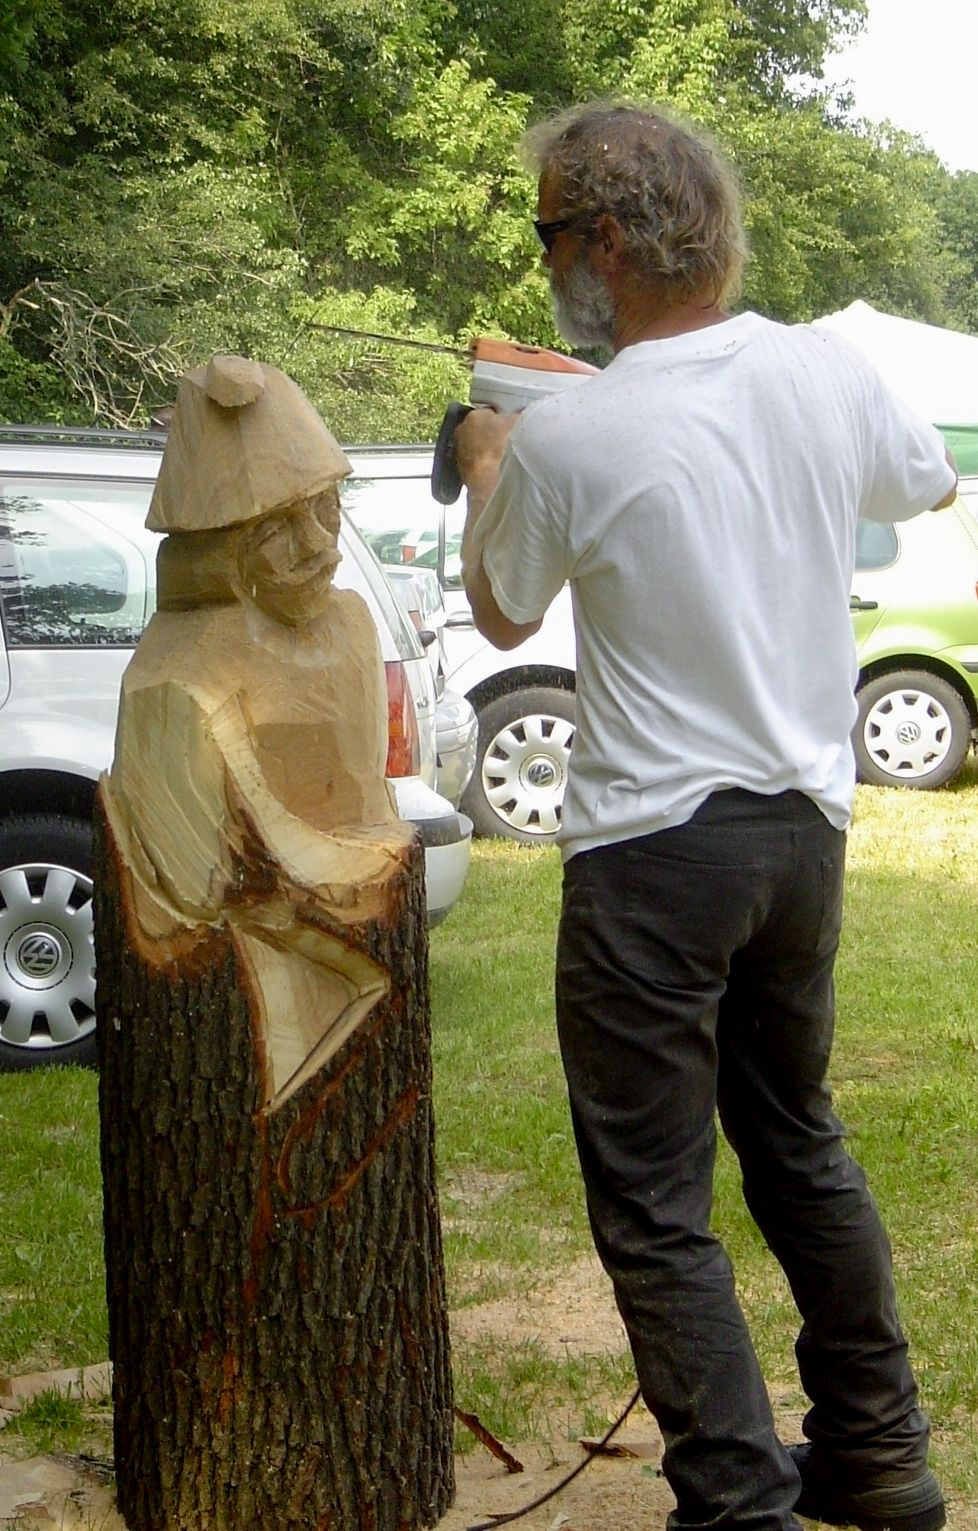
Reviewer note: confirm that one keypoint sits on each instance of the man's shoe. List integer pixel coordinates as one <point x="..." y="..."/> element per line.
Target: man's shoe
<point x="914" y="1506"/>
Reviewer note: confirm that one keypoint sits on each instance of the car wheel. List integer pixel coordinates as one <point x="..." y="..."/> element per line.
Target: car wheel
<point x="517" y="787"/>
<point x="47" y="950"/>
<point x="912" y="730"/>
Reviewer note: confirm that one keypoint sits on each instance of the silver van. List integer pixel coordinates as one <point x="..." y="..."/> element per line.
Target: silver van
<point x="77" y="586"/>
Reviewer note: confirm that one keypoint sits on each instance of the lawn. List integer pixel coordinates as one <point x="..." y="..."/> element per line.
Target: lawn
<point x="906" y="1083"/>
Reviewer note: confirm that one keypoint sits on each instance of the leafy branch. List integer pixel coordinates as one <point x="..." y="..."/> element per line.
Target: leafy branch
<point x="108" y="363"/>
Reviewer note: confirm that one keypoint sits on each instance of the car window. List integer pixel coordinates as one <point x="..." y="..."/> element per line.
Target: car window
<point x="876" y="544"/>
<point x="67" y="577"/>
<point x="427" y="557"/>
<point x="399" y="520"/>
<point x="360" y="571"/>
<point x="397" y="516"/>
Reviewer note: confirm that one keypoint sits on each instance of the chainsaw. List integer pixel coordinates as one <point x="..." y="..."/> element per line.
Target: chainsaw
<point x="506" y="376"/>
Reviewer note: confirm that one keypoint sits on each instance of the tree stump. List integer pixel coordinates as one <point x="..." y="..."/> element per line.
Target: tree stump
<point x="277" y="1316"/>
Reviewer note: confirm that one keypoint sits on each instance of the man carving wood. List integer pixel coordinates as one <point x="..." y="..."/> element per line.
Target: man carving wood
<point x="276" y="1297"/>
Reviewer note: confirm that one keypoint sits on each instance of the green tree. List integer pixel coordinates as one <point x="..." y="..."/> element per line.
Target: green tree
<point x="255" y="175"/>
<point x="137" y="185"/>
<point x="835" y="215"/>
<point x="956" y="206"/>
<point x="778" y="45"/>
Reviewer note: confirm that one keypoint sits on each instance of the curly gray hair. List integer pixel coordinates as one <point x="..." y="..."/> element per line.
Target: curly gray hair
<point x="673" y="194"/>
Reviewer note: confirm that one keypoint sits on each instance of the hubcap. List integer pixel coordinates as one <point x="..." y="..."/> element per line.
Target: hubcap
<point x="524" y="773"/>
<point x="47" y="972"/>
<point x="908" y="734"/>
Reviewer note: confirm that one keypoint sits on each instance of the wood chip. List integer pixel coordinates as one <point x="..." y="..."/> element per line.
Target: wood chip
<point x="473" y="1422"/>
<point x="644" y="1450"/>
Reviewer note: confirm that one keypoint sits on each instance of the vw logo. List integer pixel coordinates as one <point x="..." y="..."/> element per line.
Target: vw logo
<point x="541" y="774"/>
<point x="38" y="955"/>
<point x="908" y="733"/>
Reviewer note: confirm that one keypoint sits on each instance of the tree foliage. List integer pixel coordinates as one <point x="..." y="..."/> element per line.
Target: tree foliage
<point x="184" y="176"/>
<point x="955" y="201"/>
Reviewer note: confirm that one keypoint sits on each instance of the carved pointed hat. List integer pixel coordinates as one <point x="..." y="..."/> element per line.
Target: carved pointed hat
<point x="244" y="440"/>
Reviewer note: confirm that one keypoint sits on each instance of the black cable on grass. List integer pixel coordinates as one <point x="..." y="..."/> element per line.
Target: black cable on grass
<point x="503" y="1520"/>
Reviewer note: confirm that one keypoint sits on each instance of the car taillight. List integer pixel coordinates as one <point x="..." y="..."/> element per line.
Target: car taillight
<point x="407" y="552"/>
<point x="404" y="741"/>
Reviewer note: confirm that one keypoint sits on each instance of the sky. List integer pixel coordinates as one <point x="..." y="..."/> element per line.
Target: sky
<point x="915" y="65"/>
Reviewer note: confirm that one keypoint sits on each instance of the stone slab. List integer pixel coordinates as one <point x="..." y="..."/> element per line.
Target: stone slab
<point x="88" y="1382"/>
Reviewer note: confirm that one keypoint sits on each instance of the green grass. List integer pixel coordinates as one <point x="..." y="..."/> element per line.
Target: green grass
<point x="546" y="1397"/>
<point x="52" y="1306"/>
<point x="906" y="1080"/>
<point x="53" y="1421"/>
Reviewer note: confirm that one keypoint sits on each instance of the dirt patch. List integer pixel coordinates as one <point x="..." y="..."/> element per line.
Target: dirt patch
<point x="613" y="1495"/>
<point x="576" y="1312"/>
<point x="619" y="1494"/>
<point x="573" y="1313"/>
<point x="469" y="1190"/>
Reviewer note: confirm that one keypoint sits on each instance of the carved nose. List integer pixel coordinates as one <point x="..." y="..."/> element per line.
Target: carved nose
<point x="312" y="539"/>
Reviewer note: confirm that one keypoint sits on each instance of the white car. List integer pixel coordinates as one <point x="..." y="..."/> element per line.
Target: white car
<point x="523" y="699"/>
<point x="456" y="725"/>
<point x="77" y="586"/>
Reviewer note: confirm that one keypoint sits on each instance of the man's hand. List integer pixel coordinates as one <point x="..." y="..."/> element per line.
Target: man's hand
<point x="480" y="441"/>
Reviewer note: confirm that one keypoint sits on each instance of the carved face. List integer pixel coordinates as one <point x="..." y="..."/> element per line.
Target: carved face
<point x="286" y="559"/>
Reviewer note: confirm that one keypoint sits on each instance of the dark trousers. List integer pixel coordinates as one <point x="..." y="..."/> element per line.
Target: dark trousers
<point x="694" y="974"/>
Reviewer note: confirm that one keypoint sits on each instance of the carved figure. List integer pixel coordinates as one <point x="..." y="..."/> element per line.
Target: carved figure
<point x="263" y="1013"/>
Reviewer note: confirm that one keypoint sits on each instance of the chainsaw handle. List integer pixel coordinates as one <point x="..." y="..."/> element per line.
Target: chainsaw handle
<point x="446" y="481"/>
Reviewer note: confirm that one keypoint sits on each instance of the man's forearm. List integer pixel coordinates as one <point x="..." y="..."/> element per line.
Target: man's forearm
<point x="952" y="493"/>
<point x="490" y="621"/>
<point x="481" y="440"/>
<point x="479" y="492"/>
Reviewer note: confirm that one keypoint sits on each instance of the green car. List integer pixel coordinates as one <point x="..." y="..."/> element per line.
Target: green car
<point x="915" y="614"/>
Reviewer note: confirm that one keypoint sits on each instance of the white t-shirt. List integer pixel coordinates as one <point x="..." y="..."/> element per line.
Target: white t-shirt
<point x="700" y="494"/>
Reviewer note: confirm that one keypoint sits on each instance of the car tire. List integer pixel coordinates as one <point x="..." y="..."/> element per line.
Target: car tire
<point x="517" y="787"/>
<point x="912" y="730"/>
<point x="47" y="950"/>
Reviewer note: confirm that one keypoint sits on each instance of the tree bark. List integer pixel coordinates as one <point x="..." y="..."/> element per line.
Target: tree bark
<point x="277" y="1316"/>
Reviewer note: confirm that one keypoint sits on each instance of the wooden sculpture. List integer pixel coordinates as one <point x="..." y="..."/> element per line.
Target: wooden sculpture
<point x="276" y="1297"/>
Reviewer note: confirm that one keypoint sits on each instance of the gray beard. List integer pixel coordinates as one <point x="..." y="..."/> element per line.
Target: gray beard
<point x="583" y="311"/>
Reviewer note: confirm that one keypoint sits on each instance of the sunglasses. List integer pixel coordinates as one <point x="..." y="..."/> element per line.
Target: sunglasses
<point x="548" y="231"/>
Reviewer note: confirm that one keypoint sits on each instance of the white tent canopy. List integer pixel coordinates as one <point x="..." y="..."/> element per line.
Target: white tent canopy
<point x="935" y="371"/>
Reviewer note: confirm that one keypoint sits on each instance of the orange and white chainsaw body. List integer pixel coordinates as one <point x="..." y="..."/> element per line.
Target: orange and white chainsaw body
<point x="510" y="376"/>
<point x="505" y="376"/>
